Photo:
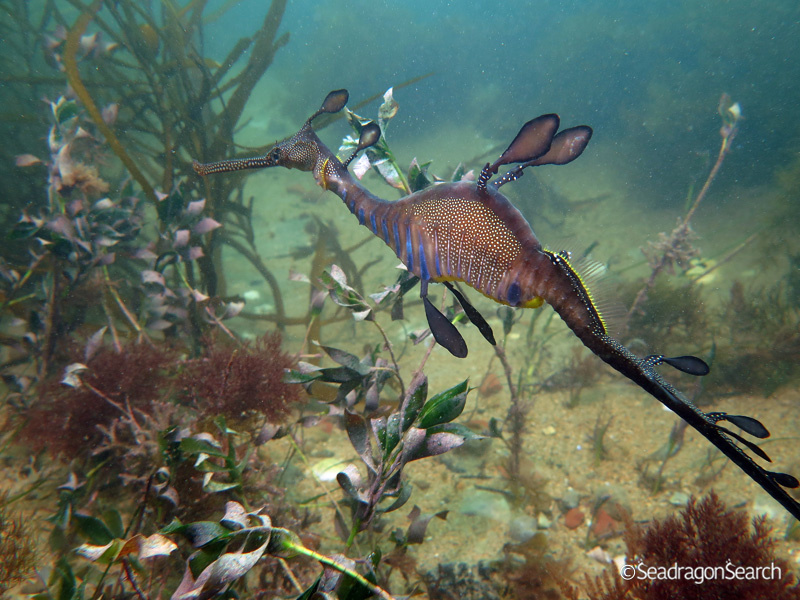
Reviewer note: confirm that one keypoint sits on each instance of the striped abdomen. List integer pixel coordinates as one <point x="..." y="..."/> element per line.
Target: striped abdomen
<point x="452" y="232"/>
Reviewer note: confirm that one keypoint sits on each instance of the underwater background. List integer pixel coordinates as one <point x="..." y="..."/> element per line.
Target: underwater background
<point x="216" y="386"/>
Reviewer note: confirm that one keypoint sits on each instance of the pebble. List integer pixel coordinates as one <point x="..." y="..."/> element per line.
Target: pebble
<point x="543" y="522"/>
<point x="619" y="562"/>
<point x="264" y="309"/>
<point x="600" y="555"/>
<point x="328" y="468"/>
<point x="251" y="295"/>
<point x="679" y="499"/>
<point x="570" y="499"/>
<point x="485" y="504"/>
<point x="522" y="528"/>
<point x="549" y="430"/>
<point x="574" y="518"/>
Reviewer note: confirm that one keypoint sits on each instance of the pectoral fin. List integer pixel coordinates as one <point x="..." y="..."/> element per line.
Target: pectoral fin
<point x="444" y="331"/>
<point x="473" y="315"/>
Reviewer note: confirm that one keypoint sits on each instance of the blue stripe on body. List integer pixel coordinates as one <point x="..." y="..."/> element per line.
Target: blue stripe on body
<point x="396" y="239"/>
<point x="409" y="249"/>
<point x="374" y="226"/>
<point x="423" y="263"/>
<point x="361" y="216"/>
<point x="385" y="230"/>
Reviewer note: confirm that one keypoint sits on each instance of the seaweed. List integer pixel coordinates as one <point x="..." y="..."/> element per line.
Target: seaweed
<point x="720" y="555"/>
<point x="672" y="312"/>
<point x="154" y="99"/>
<point x="597" y="438"/>
<point x="193" y="472"/>
<point x="655" y="481"/>
<point x="540" y="574"/>
<point x="67" y="418"/>
<point x="758" y="346"/>
<point x="18" y="556"/>
<point x="240" y="381"/>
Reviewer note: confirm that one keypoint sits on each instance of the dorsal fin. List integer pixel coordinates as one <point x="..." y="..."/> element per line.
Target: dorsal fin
<point x="594" y="277"/>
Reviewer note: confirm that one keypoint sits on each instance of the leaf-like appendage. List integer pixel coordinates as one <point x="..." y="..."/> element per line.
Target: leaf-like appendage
<point x="335" y="101"/>
<point x="532" y="141"/>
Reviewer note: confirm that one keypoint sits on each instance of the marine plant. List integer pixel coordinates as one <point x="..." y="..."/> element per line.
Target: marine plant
<point x="597" y="437"/>
<point x="139" y="546"/>
<point x="764" y="339"/>
<point x="676" y="249"/>
<point x="539" y="574"/>
<point x="89" y="266"/>
<point x="70" y="412"/>
<point x="240" y="381"/>
<point x="18" y="556"/>
<point x="655" y="481"/>
<point x="150" y="94"/>
<point x="672" y="310"/>
<point x="720" y="553"/>
<point x="148" y="413"/>
<point x="420" y="427"/>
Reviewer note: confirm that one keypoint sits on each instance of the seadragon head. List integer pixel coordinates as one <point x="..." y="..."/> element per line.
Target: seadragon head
<point x="303" y="151"/>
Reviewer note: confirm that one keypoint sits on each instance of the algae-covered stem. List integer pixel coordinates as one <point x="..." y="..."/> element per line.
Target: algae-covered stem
<point x="295" y="546"/>
<point x="516" y="419"/>
<point x="730" y="117"/>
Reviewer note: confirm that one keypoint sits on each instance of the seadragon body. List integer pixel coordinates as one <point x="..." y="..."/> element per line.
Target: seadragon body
<point x="470" y="232"/>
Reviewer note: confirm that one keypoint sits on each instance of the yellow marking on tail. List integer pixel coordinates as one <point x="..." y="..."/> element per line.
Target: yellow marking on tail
<point x="586" y="289"/>
<point x="322" y="181"/>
